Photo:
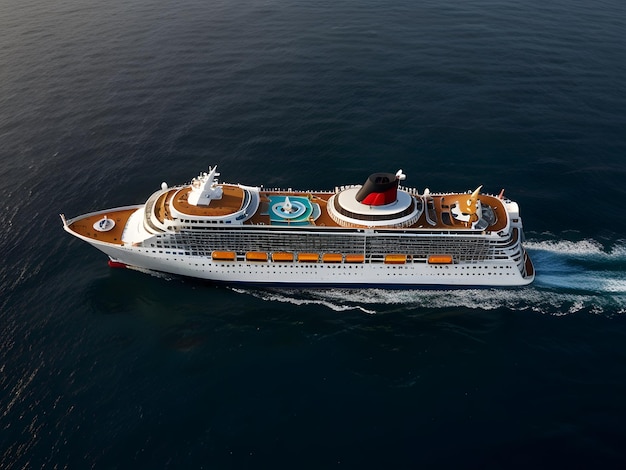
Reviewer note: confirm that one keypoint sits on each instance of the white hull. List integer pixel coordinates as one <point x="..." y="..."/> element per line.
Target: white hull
<point x="409" y="275"/>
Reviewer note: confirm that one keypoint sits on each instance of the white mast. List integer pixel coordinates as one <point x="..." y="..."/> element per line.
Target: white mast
<point x="204" y="188"/>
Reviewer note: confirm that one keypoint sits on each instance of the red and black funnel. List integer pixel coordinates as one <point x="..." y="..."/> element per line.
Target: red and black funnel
<point x="379" y="189"/>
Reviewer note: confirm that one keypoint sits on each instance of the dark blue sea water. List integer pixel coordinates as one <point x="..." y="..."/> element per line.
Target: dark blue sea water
<point x="101" y="101"/>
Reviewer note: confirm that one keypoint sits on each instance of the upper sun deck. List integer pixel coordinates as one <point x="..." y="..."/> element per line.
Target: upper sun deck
<point x="380" y="203"/>
<point x="443" y="204"/>
<point x="232" y="201"/>
<point x="436" y="215"/>
<point x="174" y="203"/>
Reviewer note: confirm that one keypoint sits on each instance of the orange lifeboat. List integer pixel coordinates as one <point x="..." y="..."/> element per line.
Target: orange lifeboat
<point x="223" y="255"/>
<point x="395" y="259"/>
<point x="308" y="257"/>
<point x="256" y="256"/>
<point x="440" y="259"/>
<point x="282" y="256"/>
<point x="355" y="258"/>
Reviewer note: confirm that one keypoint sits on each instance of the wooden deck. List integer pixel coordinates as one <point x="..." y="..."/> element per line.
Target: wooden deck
<point x="85" y="228"/>
<point x="442" y="203"/>
<point x="231" y="201"/>
<point x="445" y="220"/>
<point x="233" y="198"/>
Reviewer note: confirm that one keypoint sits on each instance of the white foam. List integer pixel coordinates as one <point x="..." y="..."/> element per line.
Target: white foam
<point x="586" y="281"/>
<point x="292" y="297"/>
<point x="581" y="249"/>
<point x="583" y="266"/>
<point x="152" y="273"/>
<point x="372" y="301"/>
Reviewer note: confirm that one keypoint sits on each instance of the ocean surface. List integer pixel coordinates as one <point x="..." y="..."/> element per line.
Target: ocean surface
<point x="102" y="101"/>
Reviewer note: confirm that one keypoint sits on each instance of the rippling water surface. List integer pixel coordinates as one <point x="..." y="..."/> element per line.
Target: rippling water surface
<point x="100" y="102"/>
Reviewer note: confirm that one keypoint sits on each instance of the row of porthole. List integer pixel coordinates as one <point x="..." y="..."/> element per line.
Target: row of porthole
<point x="274" y="272"/>
<point x="378" y="274"/>
<point x="328" y="266"/>
<point x="480" y="267"/>
<point x="467" y="267"/>
<point x="292" y="266"/>
<point x="341" y="273"/>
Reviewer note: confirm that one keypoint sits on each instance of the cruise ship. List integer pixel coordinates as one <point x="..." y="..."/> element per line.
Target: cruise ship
<point x="376" y="234"/>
